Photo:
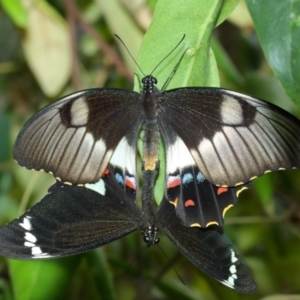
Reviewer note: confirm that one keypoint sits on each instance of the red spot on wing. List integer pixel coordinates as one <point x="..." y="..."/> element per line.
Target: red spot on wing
<point x="130" y="183"/>
<point x="106" y="172"/>
<point x="189" y="203"/>
<point x="222" y="190"/>
<point x="173" y="182"/>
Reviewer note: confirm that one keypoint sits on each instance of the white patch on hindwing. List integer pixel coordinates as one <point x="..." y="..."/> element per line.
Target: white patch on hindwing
<point x="124" y="157"/>
<point x="31" y="240"/>
<point x="79" y="112"/>
<point x="30" y="237"/>
<point x="98" y="187"/>
<point x="178" y="156"/>
<point x="230" y="282"/>
<point x="26" y="223"/>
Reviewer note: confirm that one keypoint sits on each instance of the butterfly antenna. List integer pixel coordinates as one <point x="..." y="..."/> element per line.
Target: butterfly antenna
<point x="168" y="54"/>
<point x="173" y="71"/>
<point x="138" y="255"/>
<point x="138" y="80"/>
<point x="129" y="54"/>
<point x="171" y="263"/>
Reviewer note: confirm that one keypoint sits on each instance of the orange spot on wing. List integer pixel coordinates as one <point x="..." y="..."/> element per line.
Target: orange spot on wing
<point x="189" y="203"/>
<point x="174" y="183"/>
<point x="106" y="172"/>
<point x="222" y="190"/>
<point x="130" y="184"/>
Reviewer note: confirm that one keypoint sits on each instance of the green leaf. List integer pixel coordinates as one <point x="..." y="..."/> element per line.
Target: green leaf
<point x="227" y="9"/>
<point x="278" y="27"/>
<point x="42" y="279"/>
<point x="171" y="21"/>
<point x="16" y="11"/>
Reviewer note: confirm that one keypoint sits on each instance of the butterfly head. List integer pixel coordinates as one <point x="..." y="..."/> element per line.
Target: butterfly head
<point x="149" y="82"/>
<point x="151" y="236"/>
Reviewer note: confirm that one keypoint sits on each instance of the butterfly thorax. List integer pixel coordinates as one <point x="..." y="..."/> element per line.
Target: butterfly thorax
<point x="149" y="97"/>
<point x="151" y="236"/>
<point x="149" y="84"/>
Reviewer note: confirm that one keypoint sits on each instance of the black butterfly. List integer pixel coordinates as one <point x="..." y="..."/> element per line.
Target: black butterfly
<point x="210" y="134"/>
<point x="73" y="219"/>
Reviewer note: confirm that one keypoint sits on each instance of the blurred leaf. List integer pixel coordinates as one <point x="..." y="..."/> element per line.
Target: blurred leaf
<point x="225" y="64"/>
<point x="98" y="267"/>
<point x="282" y="297"/>
<point x="264" y="188"/>
<point x="121" y="23"/>
<point x="16" y="11"/>
<point x="227" y="8"/>
<point x="278" y="28"/>
<point x="4" y="138"/>
<point x="47" y="46"/>
<point x="45" y="280"/>
<point x="240" y="16"/>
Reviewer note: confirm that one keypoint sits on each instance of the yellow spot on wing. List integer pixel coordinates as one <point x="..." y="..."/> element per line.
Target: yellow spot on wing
<point x="239" y="191"/>
<point x="225" y="210"/>
<point x="212" y="223"/>
<point x="195" y="225"/>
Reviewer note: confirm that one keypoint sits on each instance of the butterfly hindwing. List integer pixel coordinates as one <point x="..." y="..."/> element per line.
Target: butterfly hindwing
<point x="123" y="166"/>
<point x="197" y="201"/>
<point x="74" y="137"/>
<point x="70" y="220"/>
<point x="208" y="249"/>
<point x="232" y="137"/>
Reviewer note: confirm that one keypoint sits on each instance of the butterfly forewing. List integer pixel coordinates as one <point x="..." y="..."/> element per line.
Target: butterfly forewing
<point x="209" y="249"/>
<point x="232" y="137"/>
<point x="74" y="137"/>
<point x="70" y="220"/>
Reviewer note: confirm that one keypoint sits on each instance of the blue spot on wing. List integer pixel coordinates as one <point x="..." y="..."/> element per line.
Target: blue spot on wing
<point x="200" y="177"/>
<point x="188" y="177"/>
<point x="119" y="178"/>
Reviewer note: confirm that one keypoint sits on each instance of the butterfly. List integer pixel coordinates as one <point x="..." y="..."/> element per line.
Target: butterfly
<point x="73" y="219"/>
<point x="211" y="135"/>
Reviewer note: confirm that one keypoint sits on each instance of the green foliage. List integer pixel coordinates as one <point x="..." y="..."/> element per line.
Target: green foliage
<point x="44" y="60"/>
<point x="279" y="34"/>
